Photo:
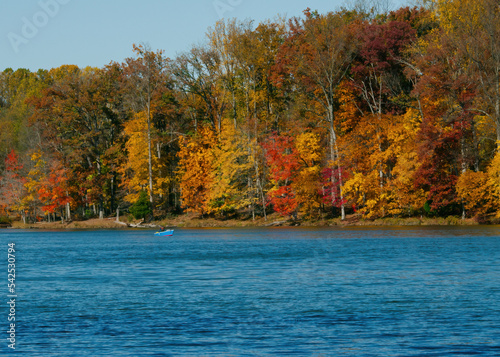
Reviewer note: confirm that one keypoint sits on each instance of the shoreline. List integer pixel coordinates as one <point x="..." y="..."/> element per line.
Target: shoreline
<point x="192" y="221"/>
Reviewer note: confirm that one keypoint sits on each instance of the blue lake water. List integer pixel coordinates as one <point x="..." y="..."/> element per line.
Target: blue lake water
<point x="430" y="291"/>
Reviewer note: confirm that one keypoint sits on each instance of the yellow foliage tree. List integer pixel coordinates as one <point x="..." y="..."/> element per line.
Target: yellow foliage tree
<point x="362" y="190"/>
<point x="475" y="190"/>
<point x="366" y="188"/>
<point x="136" y="169"/>
<point x="196" y="170"/>
<point x="494" y="182"/>
<point x="397" y="195"/>
<point x="402" y="197"/>
<point x="306" y="183"/>
<point x="231" y="166"/>
<point x="33" y="182"/>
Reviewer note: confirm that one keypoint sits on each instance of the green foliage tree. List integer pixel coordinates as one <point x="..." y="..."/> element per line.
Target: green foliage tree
<point x="141" y="208"/>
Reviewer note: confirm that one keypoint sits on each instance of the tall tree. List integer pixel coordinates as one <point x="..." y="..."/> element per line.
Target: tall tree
<point x="318" y="53"/>
<point x="146" y="77"/>
<point x="447" y="139"/>
<point x="81" y="115"/>
<point x="378" y="76"/>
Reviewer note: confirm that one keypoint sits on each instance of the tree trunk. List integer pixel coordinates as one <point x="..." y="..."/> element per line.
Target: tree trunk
<point x="252" y="203"/>
<point x="150" y="156"/>
<point x="334" y="153"/>
<point x="476" y="147"/>
<point x="260" y="188"/>
<point x="112" y="195"/>
<point x="68" y="209"/>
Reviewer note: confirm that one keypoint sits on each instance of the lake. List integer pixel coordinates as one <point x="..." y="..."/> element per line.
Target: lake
<point x="426" y="291"/>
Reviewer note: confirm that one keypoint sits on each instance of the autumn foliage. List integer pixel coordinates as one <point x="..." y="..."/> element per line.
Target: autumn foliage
<point x="393" y="114"/>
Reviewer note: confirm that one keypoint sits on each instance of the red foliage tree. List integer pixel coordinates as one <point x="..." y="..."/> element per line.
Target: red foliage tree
<point x="331" y="186"/>
<point x="12" y="184"/>
<point x="283" y="162"/>
<point x="54" y="192"/>
<point x="447" y="136"/>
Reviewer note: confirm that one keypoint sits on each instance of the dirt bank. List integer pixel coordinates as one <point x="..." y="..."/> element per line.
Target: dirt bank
<point x="194" y="221"/>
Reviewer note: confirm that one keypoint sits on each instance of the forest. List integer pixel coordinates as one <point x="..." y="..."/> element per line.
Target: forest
<point x="382" y="114"/>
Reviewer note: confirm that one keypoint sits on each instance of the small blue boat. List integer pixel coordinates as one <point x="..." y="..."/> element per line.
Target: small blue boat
<point x="167" y="232"/>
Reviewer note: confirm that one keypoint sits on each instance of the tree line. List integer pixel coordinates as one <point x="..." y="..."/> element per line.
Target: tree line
<point x="392" y="113"/>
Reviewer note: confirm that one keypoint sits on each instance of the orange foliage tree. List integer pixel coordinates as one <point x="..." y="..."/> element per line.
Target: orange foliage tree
<point x="195" y="170"/>
<point x="53" y="191"/>
<point x="283" y="162"/>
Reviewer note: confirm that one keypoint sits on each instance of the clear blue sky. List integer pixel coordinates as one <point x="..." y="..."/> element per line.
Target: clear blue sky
<point x="48" y="33"/>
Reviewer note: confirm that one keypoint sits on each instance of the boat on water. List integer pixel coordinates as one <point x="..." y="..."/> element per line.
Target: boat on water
<point x="167" y="232"/>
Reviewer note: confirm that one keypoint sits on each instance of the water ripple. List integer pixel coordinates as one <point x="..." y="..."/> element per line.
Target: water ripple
<point x="254" y="292"/>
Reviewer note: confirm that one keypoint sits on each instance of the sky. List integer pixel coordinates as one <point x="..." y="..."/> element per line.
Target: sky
<point x="45" y="34"/>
